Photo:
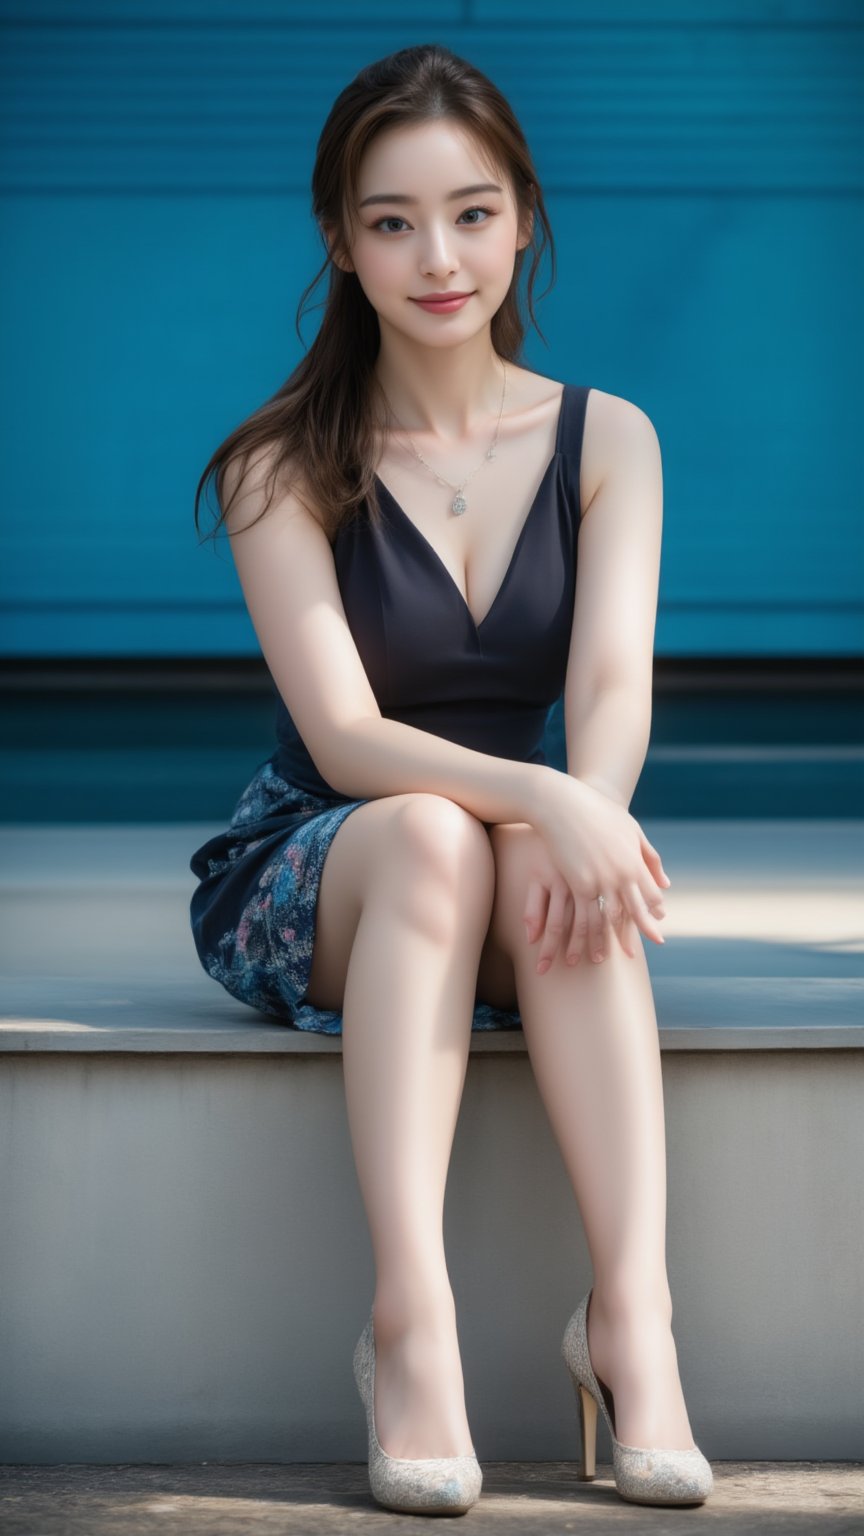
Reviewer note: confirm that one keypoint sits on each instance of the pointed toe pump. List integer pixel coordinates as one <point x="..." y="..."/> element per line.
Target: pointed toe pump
<point x="644" y="1475"/>
<point x="435" y="1485"/>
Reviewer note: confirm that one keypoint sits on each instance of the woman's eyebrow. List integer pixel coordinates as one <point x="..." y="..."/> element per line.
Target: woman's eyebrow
<point x="402" y="197"/>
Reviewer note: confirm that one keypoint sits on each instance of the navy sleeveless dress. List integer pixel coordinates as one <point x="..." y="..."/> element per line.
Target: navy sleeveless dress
<point x="488" y="686"/>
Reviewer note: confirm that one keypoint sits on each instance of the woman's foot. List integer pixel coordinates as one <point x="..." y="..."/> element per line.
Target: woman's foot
<point x="419" y="1388"/>
<point x="633" y="1353"/>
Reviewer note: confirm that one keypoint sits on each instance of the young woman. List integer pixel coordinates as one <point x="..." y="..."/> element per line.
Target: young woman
<point x="405" y="516"/>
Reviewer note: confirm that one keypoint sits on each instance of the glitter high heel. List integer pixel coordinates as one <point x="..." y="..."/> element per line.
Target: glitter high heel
<point x="434" y="1485"/>
<point x="642" y="1475"/>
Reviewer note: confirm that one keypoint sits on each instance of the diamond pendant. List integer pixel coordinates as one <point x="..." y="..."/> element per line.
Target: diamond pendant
<point x="459" y="504"/>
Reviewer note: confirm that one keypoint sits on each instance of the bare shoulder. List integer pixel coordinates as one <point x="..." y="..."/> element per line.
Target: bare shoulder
<point x="288" y="576"/>
<point x="618" y="436"/>
<point x="256" y="489"/>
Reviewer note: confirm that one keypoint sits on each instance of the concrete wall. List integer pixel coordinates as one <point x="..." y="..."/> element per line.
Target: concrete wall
<point x="185" y="1263"/>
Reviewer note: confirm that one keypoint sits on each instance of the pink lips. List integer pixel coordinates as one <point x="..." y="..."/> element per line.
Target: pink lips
<point x="443" y="306"/>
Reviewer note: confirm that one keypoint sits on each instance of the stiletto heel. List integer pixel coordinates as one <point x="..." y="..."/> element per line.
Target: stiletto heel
<point x="644" y="1475"/>
<point x="433" y="1485"/>
<point x="587" y="1433"/>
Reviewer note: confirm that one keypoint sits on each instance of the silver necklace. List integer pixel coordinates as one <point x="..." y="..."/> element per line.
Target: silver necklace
<point x="458" y="504"/>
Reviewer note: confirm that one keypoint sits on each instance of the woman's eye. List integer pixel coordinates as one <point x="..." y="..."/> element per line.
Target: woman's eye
<point x="393" y="218"/>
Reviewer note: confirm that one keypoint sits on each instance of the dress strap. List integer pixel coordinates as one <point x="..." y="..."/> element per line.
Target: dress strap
<point x="571" y="437"/>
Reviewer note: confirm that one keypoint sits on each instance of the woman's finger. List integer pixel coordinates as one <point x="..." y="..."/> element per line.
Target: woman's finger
<point x="578" y="941"/>
<point x="569" y="910"/>
<point x="556" y="921"/>
<point x="597" y="937"/>
<point x="652" y="857"/>
<point x="628" y="936"/>
<point x="646" y="908"/>
<point x="534" y="914"/>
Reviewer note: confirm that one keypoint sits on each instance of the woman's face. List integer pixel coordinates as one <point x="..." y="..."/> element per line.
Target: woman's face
<point x="412" y="237"/>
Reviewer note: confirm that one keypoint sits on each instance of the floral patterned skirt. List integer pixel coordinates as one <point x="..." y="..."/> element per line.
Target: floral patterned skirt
<point x="253" y="910"/>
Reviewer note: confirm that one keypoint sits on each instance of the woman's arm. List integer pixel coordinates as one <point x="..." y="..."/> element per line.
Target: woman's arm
<point x="607" y="695"/>
<point x="386" y="757"/>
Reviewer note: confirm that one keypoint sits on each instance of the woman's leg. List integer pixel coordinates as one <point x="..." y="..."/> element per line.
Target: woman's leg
<point x="591" y="1035"/>
<point x="404" y="906"/>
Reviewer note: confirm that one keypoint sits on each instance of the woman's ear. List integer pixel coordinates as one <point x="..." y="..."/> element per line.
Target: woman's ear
<point x="330" y="235"/>
<point x="526" y="226"/>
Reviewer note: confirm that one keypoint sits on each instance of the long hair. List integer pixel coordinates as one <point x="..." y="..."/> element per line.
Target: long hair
<point x="321" y="422"/>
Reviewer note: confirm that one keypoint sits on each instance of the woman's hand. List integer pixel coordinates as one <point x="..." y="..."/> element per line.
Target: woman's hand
<point x="562" y="921"/>
<point x="592" y="846"/>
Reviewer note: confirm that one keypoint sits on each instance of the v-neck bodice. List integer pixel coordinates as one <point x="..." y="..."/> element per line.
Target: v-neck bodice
<point x="479" y="624"/>
<point x="487" y="685"/>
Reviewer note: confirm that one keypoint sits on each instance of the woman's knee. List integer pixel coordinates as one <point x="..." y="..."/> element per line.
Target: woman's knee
<point x="436" y="859"/>
<point x="441" y="835"/>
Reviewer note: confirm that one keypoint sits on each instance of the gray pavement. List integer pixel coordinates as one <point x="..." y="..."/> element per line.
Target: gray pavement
<point x="749" y="1498"/>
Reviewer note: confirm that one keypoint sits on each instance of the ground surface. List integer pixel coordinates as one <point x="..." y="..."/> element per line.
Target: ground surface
<point x="221" y="1499"/>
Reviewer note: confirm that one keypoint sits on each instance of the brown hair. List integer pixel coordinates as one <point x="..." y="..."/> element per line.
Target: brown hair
<point x="322" y="420"/>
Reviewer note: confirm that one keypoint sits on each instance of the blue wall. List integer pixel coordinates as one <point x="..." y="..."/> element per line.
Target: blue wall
<point x="702" y="165"/>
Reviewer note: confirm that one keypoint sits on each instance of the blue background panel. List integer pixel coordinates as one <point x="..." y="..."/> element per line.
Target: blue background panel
<point x="702" y="166"/>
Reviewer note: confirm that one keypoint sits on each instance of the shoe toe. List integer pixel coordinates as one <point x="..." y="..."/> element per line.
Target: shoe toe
<point x="433" y="1485"/>
<point x="652" y="1477"/>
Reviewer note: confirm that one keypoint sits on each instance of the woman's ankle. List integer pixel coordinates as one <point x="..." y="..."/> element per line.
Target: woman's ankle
<point x="631" y="1307"/>
<point x="400" y="1312"/>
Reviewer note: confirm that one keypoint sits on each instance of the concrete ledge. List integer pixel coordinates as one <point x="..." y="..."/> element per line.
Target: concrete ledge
<point x="76" y="1014"/>
<point x="186" y="1265"/>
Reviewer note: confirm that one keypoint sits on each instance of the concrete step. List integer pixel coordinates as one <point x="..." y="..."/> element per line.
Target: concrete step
<point x="767" y="899"/>
<point x="186" y="1266"/>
